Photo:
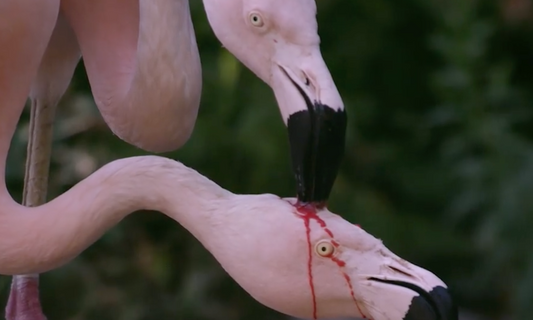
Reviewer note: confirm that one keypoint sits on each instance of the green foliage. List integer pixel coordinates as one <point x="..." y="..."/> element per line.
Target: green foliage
<point x="439" y="162"/>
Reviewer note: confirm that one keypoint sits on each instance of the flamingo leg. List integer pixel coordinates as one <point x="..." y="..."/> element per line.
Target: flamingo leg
<point x="24" y="302"/>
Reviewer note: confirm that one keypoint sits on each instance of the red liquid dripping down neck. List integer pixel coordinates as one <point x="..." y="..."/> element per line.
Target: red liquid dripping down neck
<point x="308" y="211"/>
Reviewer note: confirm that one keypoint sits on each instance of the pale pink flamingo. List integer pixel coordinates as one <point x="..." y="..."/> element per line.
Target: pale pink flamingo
<point x="143" y="65"/>
<point x="297" y="261"/>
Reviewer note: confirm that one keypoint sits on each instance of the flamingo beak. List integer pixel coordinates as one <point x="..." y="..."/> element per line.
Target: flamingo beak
<point x="401" y="290"/>
<point x="316" y="120"/>
<point x="437" y="304"/>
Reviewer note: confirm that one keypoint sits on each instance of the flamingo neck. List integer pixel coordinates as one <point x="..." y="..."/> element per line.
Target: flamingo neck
<point x="35" y="240"/>
<point x="143" y="65"/>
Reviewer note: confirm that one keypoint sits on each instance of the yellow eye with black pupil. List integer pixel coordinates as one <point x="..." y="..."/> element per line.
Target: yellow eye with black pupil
<point x="325" y="248"/>
<point x="256" y="19"/>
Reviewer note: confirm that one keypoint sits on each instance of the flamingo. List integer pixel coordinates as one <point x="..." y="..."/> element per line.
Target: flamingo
<point x="144" y="69"/>
<point x="298" y="260"/>
<point x="143" y="66"/>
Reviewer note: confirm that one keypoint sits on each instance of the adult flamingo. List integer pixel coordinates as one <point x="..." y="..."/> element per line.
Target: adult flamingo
<point x="143" y="65"/>
<point x="323" y="265"/>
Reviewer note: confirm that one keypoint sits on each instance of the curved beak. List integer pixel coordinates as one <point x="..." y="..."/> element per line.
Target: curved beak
<point x="316" y="120"/>
<point x="407" y="292"/>
<point x="436" y="304"/>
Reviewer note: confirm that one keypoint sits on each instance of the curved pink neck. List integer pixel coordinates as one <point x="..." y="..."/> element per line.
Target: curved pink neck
<point x="35" y="240"/>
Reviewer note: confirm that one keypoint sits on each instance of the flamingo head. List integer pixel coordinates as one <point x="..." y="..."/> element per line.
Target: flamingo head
<point x="314" y="264"/>
<point x="278" y="41"/>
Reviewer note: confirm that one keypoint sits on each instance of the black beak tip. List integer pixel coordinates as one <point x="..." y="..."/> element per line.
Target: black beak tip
<point x="435" y="305"/>
<point x="317" y="138"/>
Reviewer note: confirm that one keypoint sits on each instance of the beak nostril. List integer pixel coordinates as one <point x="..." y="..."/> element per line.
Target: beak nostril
<point x="309" y="82"/>
<point x="401" y="272"/>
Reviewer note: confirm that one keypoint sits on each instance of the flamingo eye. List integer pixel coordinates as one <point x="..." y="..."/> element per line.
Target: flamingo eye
<point x="325" y="248"/>
<point x="256" y="19"/>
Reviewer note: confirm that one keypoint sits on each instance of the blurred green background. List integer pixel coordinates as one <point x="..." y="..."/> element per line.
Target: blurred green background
<point x="439" y="162"/>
